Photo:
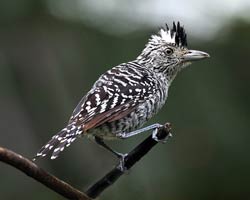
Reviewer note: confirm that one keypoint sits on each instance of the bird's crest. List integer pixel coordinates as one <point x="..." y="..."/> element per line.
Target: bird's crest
<point x="176" y="36"/>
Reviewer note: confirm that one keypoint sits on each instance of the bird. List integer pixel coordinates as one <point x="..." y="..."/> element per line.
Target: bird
<point x="126" y="96"/>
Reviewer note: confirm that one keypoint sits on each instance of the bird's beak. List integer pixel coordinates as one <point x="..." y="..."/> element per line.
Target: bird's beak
<point x="193" y="55"/>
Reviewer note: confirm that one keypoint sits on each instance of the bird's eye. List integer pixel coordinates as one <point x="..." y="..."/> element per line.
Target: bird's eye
<point x="169" y="51"/>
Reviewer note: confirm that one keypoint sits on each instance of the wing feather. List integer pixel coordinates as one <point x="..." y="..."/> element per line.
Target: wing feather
<point x="110" y="100"/>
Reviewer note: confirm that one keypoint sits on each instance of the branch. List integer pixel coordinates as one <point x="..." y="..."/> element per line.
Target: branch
<point x="135" y="155"/>
<point x="32" y="170"/>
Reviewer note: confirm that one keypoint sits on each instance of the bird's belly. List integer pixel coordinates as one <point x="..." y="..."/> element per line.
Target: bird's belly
<point x="132" y="121"/>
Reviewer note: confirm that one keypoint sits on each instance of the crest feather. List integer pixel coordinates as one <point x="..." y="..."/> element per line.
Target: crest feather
<point x="176" y="35"/>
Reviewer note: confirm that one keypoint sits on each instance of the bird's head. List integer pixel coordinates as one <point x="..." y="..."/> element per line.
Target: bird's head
<point x="167" y="52"/>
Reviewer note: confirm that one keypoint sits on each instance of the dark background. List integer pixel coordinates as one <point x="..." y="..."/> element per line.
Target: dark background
<point x="48" y="62"/>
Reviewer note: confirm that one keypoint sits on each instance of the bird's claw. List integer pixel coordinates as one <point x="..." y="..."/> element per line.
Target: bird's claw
<point x="164" y="140"/>
<point x="121" y="165"/>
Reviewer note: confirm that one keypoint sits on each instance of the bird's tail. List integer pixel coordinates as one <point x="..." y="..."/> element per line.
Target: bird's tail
<point x="59" y="141"/>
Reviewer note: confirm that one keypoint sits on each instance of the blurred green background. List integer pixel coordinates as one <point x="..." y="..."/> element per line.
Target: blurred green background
<point x="51" y="52"/>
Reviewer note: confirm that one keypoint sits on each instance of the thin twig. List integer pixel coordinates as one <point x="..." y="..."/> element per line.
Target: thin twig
<point x="135" y="155"/>
<point x="32" y="170"/>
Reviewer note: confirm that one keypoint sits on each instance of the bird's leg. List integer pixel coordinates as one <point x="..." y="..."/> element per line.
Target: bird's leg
<point x="120" y="156"/>
<point x="125" y="135"/>
<point x="155" y="128"/>
<point x="100" y="141"/>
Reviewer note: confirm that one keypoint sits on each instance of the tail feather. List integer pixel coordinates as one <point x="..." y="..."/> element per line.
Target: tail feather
<point x="59" y="141"/>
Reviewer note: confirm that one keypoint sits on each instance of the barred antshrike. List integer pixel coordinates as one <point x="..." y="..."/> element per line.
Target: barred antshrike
<point x="128" y="95"/>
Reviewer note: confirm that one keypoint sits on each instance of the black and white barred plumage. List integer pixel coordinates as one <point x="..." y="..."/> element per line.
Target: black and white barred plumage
<point x="128" y="95"/>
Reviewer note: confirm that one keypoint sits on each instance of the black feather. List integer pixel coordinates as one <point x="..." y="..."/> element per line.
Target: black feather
<point x="179" y="33"/>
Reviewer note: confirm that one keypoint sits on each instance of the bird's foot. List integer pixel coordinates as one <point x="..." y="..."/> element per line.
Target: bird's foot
<point x="121" y="166"/>
<point x="166" y="127"/>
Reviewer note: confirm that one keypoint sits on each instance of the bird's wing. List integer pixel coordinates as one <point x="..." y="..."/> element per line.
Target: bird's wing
<point x="109" y="115"/>
<point x="112" y="97"/>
